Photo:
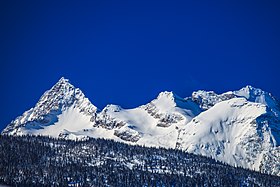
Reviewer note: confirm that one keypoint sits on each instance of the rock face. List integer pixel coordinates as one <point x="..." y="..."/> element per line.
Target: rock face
<point x="241" y="127"/>
<point x="208" y="99"/>
<point x="170" y="109"/>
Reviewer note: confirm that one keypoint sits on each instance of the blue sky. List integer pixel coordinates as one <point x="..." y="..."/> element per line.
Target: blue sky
<point x="126" y="52"/>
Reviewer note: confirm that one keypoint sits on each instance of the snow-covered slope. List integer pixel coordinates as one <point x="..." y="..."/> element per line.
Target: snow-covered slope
<point x="241" y="127"/>
<point x="237" y="132"/>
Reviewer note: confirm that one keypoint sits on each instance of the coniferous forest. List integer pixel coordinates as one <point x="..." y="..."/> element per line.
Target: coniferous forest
<point x="44" y="161"/>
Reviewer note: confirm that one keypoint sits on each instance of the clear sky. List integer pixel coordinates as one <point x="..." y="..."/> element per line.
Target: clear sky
<point x="126" y="52"/>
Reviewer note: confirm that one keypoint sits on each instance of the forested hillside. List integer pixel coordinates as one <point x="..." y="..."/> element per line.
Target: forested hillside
<point x="43" y="161"/>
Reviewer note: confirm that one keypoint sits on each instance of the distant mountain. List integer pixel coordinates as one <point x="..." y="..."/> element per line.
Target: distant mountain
<point x="241" y="127"/>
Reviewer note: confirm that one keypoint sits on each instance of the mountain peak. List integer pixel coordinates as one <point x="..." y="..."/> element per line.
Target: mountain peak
<point x="259" y="96"/>
<point x="61" y="94"/>
<point x="168" y="100"/>
<point x="112" y="108"/>
<point x="207" y="99"/>
<point x="63" y="80"/>
<point x="63" y="85"/>
<point x="169" y="95"/>
<point x="166" y="94"/>
<point x="249" y="91"/>
<point x="62" y="97"/>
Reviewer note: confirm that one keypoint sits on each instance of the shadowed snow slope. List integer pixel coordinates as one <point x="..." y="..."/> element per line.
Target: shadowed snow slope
<point x="238" y="127"/>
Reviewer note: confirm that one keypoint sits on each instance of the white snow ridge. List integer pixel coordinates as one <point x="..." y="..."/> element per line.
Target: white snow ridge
<point x="241" y="128"/>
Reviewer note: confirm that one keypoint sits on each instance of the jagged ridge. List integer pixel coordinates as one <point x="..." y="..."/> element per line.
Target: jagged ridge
<point x="224" y="126"/>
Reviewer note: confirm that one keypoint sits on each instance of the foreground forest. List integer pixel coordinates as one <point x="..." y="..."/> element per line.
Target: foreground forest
<point x="44" y="161"/>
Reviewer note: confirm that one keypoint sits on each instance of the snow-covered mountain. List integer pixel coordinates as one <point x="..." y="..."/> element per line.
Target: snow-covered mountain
<point x="241" y="127"/>
<point x="62" y="108"/>
<point x="235" y="131"/>
<point x="64" y="111"/>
